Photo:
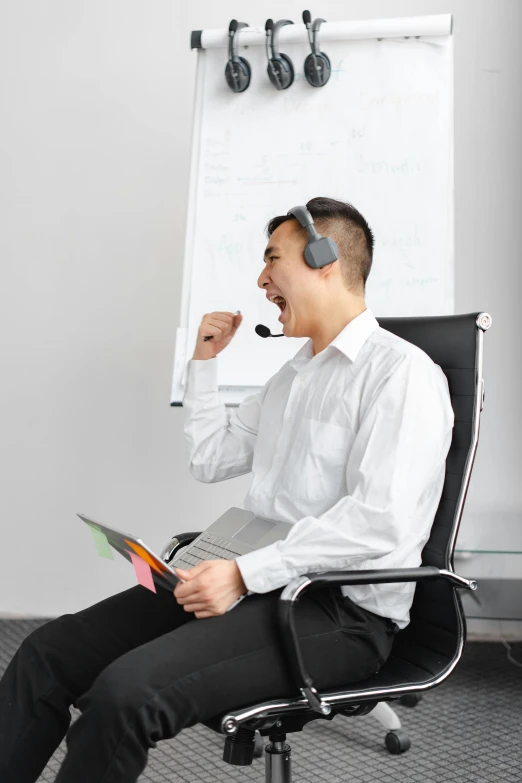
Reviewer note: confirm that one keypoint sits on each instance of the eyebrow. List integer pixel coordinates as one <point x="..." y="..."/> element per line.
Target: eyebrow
<point x="270" y="249"/>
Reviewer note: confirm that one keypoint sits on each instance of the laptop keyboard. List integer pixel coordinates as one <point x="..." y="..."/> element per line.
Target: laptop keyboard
<point x="207" y="548"/>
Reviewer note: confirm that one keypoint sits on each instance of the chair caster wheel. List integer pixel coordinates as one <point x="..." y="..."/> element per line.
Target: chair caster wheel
<point x="397" y="741"/>
<point x="259" y="747"/>
<point x="410" y="699"/>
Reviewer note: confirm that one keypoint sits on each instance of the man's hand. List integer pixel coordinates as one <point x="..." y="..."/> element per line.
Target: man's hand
<point x="210" y="587"/>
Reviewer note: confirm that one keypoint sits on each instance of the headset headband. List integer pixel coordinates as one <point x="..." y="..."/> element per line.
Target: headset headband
<point x="319" y="250"/>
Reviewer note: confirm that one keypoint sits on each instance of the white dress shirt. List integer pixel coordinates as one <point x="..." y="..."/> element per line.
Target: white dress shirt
<point x="348" y="445"/>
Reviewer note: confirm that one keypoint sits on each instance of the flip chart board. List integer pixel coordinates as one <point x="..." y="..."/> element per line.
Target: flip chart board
<point x="378" y="135"/>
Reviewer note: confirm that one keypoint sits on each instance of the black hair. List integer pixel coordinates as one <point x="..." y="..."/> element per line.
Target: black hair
<point x="348" y="228"/>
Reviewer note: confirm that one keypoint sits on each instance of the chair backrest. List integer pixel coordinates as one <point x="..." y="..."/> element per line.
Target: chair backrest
<point x="454" y="342"/>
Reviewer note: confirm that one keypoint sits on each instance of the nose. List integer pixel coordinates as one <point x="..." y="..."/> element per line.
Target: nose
<point x="263" y="279"/>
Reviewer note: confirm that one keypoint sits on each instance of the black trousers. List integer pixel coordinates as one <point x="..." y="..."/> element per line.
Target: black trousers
<point x="140" y="669"/>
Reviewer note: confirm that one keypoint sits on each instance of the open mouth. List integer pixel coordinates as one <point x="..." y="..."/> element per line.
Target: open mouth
<point x="280" y="301"/>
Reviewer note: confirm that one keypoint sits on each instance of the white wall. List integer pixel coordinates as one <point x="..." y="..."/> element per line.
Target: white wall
<point x="96" y="102"/>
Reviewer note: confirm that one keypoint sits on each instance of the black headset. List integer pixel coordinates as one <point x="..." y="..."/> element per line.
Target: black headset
<point x="237" y="69"/>
<point x="280" y="69"/>
<point x="317" y="65"/>
<point x="320" y="251"/>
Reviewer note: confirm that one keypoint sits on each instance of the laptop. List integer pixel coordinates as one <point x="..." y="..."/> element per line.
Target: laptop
<point x="234" y="533"/>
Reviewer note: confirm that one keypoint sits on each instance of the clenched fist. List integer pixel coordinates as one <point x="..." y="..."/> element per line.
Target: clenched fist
<point x="221" y="326"/>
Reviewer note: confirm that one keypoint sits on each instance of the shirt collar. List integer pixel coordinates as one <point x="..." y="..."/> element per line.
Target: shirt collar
<point x="349" y="341"/>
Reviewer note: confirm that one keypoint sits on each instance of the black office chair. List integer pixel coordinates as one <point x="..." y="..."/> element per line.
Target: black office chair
<point x="425" y="652"/>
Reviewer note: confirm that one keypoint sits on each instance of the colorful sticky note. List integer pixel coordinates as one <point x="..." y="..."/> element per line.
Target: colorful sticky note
<point x="145" y="556"/>
<point x="102" y="545"/>
<point x="143" y="572"/>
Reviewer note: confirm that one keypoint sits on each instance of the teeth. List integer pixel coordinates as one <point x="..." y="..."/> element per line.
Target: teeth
<point x="279" y="300"/>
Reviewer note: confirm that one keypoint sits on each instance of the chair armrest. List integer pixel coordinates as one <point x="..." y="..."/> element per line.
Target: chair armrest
<point x="292" y="592"/>
<point x="376" y="576"/>
<point x="176" y="542"/>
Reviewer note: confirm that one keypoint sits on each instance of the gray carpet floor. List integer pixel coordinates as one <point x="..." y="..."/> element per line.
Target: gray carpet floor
<point x="468" y="730"/>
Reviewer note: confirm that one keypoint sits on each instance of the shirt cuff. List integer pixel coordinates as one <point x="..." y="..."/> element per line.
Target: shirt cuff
<point x="263" y="569"/>
<point x="202" y="376"/>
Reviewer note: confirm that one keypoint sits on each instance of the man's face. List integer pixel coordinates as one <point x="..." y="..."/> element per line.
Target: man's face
<point x="287" y="274"/>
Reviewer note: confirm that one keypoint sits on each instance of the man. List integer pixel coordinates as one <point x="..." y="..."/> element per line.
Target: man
<point x="348" y="441"/>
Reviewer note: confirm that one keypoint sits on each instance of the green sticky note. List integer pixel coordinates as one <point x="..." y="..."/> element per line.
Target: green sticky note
<point x="102" y="545"/>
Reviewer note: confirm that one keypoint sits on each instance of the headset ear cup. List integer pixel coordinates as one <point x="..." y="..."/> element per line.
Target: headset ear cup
<point x="284" y="70"/>
<point x="312" y="76"/>
<point x="288" y="76"/>
<point x="243" y="74"/>
<point x="328" y="67"/>
<point x="276" y="66"/>
<point x="247" y="71"/>
<point x="232" y="76"/>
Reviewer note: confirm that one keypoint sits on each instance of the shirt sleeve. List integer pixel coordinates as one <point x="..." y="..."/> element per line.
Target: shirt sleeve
<point x="397" y="455"/>
<point x="221" y="442"/>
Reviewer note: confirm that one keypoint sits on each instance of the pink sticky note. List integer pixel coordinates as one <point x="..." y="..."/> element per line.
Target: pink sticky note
<point x="143" y="572"/>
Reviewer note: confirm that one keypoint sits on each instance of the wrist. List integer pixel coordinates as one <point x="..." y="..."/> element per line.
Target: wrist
<point x="241" y="583"/>
<point x="198" y="357"/>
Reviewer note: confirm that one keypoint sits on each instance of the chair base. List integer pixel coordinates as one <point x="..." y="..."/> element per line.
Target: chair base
<point x="410" y="699"/>
<point x="278" y="760"/>
<point x="239" y="749"/>
<point x="247" y="744"/>
<point x="386" y="716"/>
<point x="397" y="741"/>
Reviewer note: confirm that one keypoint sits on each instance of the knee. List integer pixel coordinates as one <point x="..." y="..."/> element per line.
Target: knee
<point x="118" y="689"/>
<point x="125" y="698"/>
<point x="113" y="705"/>
<point x="45" y="642"/>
